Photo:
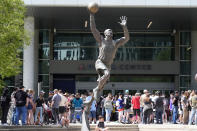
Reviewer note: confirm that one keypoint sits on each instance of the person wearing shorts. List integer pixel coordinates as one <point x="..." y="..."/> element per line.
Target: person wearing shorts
<point x="136" y="108"/>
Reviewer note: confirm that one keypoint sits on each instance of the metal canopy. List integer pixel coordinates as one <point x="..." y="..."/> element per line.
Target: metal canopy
<point x="71" y="18"/>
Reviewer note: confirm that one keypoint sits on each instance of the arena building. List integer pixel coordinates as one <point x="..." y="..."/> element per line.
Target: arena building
<point x="160" y="55"/>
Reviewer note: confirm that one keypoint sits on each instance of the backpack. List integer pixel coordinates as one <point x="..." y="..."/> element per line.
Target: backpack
<point x="127" y="105"/>
<point x="19" y="98"/>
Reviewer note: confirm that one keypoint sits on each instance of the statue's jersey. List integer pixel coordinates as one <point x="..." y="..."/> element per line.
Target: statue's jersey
<point x="107" y="52"/>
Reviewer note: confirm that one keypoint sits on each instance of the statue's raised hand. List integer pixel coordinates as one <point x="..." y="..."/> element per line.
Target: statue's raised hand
<point x="123" y="20"/>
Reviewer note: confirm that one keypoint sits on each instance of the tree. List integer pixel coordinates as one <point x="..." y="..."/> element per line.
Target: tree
<point x="12" y="37"/>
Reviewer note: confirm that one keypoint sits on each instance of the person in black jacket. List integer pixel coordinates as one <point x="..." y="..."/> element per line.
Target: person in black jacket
<point x="21" y="99"/>
<point x="5" y="104"/>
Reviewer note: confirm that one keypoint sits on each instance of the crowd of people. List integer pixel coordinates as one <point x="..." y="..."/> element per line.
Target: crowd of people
<point x="63" y="108"/>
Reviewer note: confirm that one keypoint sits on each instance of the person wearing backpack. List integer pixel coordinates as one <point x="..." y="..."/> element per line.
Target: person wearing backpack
<point x="21" y="99"/>
<point x="5" y="104"/>
<point x="159" y="107"/>
<point x="127" y="106"/>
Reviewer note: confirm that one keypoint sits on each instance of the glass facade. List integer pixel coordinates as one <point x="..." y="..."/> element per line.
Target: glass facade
<point x="44" y="57"/>
<point x="185" y="60"/>
<point x="141" y="47"/>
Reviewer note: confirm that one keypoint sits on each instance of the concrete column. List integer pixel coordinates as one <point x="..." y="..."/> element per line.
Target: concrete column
<point x="30" y="54"/>
<point x="193" y="59"/>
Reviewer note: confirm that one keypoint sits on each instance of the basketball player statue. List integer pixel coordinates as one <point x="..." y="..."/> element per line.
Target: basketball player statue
<point x="107" y="52"/>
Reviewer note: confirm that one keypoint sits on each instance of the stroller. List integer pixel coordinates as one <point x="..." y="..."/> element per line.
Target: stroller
<point x="47" y="115"/>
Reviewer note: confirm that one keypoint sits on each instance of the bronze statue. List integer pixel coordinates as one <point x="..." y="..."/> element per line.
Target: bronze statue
<point x="107" y="51"/>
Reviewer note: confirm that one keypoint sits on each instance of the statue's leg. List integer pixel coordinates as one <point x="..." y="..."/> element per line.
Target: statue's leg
<point x="101" y="83"/>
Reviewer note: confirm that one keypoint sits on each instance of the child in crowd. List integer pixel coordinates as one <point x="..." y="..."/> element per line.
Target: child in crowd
<point x="101" y="125"/>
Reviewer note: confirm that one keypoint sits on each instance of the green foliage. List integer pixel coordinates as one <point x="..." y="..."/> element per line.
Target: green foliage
<point x="12" y="36"/>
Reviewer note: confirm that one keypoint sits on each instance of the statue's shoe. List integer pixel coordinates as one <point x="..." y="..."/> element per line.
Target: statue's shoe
<point x="95" y="92"/>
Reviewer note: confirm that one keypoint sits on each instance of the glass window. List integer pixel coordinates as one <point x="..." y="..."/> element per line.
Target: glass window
<point x="185" y="67"/>
<point x="43" y="67"/>
<point x="148" y="40"/>
<point x="134" y="54"/>
<point x="82" y="46"/>
<point x="44" y="36"/>
<point x="44" y="79"/>
<point x="185" y="81"/>
<point x="185" y="38"/>
<point x="185" y="53"/>
<point x="44" y="51"/>
<point x="75" y="53"/>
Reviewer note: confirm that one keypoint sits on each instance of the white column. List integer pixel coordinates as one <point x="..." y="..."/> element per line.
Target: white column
<point x="193" y="59"/>
<point x="29" y="56"/>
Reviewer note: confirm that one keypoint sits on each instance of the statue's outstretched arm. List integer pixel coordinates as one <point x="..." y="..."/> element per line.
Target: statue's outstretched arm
<point x="95" y="32"/>
<point x="124" y="39"/>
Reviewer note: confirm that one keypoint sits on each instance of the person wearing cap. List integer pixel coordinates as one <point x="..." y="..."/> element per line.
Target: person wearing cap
<point x="21" y="99"/>
<point x="194" y="109"/>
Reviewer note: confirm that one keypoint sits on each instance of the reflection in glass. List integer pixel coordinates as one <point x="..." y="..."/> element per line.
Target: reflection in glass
<point x="185" y="53"/>
<point x="136" y="54"/>
<point x="185" y="81"/>
<point x="82" y="46"/>
<point x="43" y="36"/>
<point x="43" y="67"/>
<point x="185" y="67"/>
<point x="44" y="79"/>
<point x="185" y="38"/>
<point x="149" y="40"/>
<point x="44" y="51"/>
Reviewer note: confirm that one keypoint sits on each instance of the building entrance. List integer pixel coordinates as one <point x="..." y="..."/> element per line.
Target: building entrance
<point x="66" y="83"/>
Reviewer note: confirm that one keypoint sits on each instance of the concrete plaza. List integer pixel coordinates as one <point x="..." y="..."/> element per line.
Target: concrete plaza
<point x="112" y="127"/>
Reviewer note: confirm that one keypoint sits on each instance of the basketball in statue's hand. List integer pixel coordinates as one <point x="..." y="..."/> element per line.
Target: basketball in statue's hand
<point x="93" y="7"/>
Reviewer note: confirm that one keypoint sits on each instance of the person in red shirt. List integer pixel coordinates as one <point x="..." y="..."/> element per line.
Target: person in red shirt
<point x="136" y="108"/>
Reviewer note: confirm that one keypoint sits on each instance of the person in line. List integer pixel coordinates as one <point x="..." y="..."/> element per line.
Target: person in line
<point x="31" y="105"/>
<point x="108" y="107"/>
<point x="120" y="107"/>
<point x="55" y="106"/>
<point x="5" y="105"/>
<point x="194" y="109"/>
<point x="175" y="107"/>
<point x="147" y="109"/>
<point x="127" y="107"/>
<point x="159" y="107"/>
<point x="21" y="99"/>
<point x="136" y="108"/>
<point x="62" y="110"/>
<point x="39" y="104"/>
<point x="92" y="116"/>
<point x="78" y="107"/>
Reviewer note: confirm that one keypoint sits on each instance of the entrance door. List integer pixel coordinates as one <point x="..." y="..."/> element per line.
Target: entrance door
<point x="66" y="83"/>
